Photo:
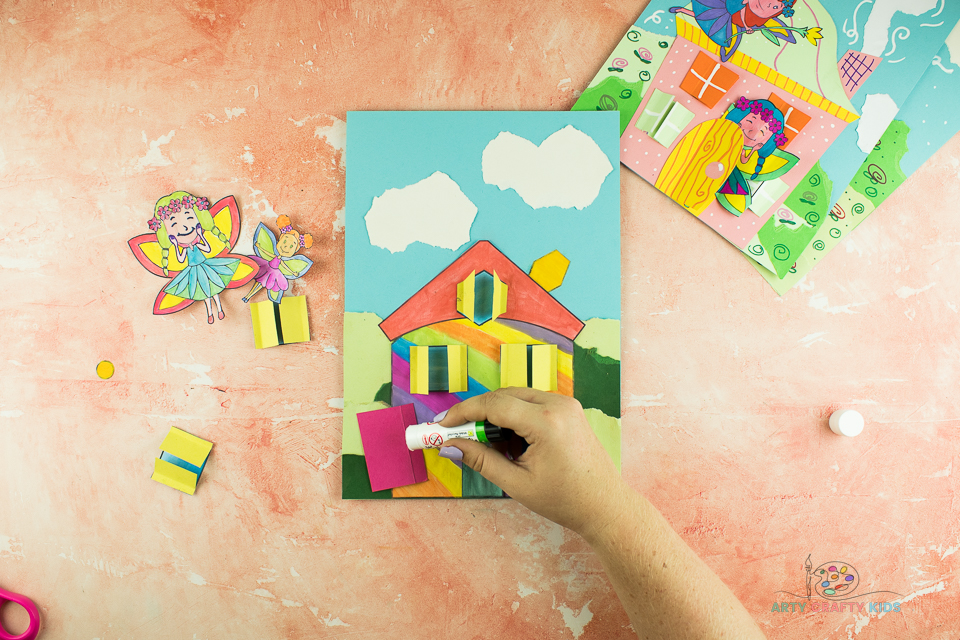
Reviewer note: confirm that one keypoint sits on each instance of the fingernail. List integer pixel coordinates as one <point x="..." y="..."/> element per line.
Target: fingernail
<point x="440" y="416"/>
<point x="451" y="453"/>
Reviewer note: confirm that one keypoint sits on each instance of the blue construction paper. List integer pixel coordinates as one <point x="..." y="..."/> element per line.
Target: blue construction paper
<point x="396" y="149"/>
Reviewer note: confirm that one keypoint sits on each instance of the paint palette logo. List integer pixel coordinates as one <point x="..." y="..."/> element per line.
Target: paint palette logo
<point x="836" y="580"/>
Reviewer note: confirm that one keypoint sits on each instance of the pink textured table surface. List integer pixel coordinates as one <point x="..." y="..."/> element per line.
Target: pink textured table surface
<point x="108" y="105"/>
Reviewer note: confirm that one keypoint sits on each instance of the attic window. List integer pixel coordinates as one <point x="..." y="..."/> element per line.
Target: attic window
<point x="482" y="297"/>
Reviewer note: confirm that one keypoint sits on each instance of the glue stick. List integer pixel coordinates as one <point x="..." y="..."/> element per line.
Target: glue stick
<point x="430" y="435"/>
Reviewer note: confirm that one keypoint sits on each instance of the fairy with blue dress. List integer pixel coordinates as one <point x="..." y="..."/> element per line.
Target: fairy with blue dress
<point x="200" y="265"/>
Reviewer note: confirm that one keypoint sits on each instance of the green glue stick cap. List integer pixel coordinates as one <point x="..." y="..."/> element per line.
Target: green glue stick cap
<point x="494" y="433"/>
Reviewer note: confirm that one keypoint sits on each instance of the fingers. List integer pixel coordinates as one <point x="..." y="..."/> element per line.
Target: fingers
<point x="489" y="463"/>
<point x="511" y="408"/>
<point x="533" y="396"/>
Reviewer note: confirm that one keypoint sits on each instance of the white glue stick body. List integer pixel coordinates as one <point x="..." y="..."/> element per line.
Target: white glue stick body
<point x="430" y="435"/>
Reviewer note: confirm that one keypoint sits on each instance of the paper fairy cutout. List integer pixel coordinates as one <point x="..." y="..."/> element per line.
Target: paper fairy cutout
<point x="761" y="158"/>
<point x="721" y="158"/>
<point x="276" y="260"/>
<point x="190" y="243"/>
<point x="726" y="21"/>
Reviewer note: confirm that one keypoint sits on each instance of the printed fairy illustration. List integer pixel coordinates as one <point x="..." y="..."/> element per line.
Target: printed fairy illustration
<point x="721" y="158"/>
<point x="727" y="21"/>
<point x="190" y="243"/>
<point x="276" y="258"/>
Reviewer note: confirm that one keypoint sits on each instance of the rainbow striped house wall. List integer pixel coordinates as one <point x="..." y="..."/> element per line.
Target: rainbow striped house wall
<point x="430" y="318"/>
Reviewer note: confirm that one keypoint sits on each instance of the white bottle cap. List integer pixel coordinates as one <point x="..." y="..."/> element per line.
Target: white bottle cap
<point x="846" y="422"/>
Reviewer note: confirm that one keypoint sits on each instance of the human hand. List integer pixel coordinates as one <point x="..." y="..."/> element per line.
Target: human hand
<point x="565" y="474"/>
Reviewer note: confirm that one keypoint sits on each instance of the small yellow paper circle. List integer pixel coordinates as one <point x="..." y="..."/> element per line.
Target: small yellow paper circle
<point x="105" y="369"/>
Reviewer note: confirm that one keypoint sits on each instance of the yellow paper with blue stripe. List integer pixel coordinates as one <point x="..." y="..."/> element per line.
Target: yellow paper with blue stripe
<point x="180" y="451"/>
<point x="173" y="476"/>
<point x="187" y="447"/>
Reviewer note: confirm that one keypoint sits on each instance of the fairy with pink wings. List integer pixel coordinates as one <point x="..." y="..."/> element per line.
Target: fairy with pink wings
<point x="190" y="244"/>
<point x="727" y="21"/>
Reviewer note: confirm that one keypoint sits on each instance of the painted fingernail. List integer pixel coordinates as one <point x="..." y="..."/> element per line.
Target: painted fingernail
<point x="451" y="453"/>
<point x="440" y="416"/>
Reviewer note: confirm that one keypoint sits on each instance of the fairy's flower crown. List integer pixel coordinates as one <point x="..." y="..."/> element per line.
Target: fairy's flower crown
<point x="289" y="229"/>
<point x="756" y="107"/>
<point x="174" y="206"/>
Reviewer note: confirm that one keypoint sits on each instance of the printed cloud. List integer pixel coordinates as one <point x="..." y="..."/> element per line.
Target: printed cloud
<point x="876" y="32"/>
<point x="566" y="171"/>
<point x="433" y="211"/>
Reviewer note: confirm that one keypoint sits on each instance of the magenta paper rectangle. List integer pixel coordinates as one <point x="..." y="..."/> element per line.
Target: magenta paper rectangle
<point x="389" y="463"/>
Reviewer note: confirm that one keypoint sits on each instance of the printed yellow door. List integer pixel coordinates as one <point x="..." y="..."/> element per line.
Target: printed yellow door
<point x="700" y="164"/>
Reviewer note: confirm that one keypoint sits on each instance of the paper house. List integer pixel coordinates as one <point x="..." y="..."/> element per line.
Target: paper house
<point x="664" y="118"/>
<point x="389" y="463"/>
<point x="529" y="365"/>
<point x="284" y="323"/>
<point x="438" y="368"/>
<point x="432" y="317"/>
<point x="708" y="81"/>
<point x="182" y="460"/>
<point x="795" y="120"/>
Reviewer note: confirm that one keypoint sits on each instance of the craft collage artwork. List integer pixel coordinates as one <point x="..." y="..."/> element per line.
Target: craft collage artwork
<point x="490" y="257"/>
<point x="782" y="125"/>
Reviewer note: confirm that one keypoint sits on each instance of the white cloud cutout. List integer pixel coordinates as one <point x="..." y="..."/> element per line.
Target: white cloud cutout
<point x="433" y="211"/>
<point x="566" y="170"/>
<point x="879" y="110"/>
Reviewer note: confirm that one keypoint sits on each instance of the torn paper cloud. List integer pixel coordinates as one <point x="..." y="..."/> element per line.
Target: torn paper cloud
<point x="879" y="110"/>
<point x="433" y="211"/>
<point x="566" y="171"/>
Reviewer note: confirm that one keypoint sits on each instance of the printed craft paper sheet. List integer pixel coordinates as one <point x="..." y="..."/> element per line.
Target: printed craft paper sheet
<point x="756" y="117"/>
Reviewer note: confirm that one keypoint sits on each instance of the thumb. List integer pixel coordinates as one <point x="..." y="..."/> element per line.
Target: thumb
<point x="488" y="462"/>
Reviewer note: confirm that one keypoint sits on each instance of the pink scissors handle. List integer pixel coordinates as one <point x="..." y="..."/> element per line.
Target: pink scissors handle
<point x="33" y="628"/>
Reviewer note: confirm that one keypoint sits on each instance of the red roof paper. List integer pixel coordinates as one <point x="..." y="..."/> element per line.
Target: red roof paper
<point x="526" y="300"/>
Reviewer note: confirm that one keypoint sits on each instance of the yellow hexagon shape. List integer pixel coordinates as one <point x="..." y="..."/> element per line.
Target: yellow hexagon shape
<point x="548" y="271"/>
